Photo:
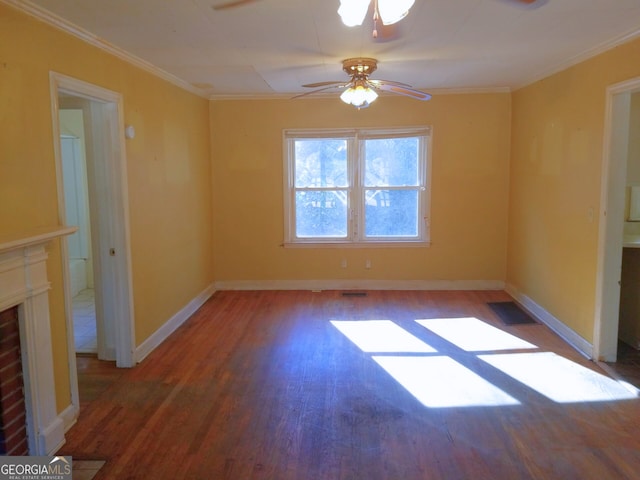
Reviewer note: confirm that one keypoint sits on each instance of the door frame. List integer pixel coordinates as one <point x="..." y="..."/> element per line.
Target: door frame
<point x="610" y="232"/>
<point x="115" y="270"/>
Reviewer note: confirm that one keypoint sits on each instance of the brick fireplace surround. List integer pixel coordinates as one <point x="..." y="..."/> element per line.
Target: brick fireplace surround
<point x="13" y="413"/>
<point x="26" y="346"/>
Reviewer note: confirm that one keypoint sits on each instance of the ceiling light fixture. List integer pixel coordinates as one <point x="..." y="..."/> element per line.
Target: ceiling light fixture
<point x="353" y="12"/>
<point x="359" y="95"/>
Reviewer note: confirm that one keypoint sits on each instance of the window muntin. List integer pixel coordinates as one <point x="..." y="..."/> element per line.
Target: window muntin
<point x="356" y="186"/>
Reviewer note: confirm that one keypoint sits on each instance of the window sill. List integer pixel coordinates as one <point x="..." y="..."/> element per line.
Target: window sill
<point x="337" y="244"/>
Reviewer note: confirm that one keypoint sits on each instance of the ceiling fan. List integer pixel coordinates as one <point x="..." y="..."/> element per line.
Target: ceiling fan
<point x="360" y="91"/>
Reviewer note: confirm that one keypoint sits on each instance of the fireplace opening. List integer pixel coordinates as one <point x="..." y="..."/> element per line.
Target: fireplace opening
<point x="13" y="415"/>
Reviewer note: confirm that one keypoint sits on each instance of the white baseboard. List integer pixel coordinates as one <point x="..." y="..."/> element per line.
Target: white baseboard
<point x="566" y="333"/>
<point x="51" y="438"/>
<point x="160" y="335"/>
<point x="360" y="285"/>
<point x="69" y="416"/>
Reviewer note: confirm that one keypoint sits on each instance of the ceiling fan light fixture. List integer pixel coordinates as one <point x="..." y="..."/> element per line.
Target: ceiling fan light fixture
<point x="360" y="91"/>
<point x="392" y="11"/>
<point x="352" y="12"/>
<point x="359" y="96"/>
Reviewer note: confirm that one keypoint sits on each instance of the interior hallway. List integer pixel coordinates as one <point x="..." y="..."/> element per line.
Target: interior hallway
<point x="264" y="385"/>
<point x="84" y="321"/>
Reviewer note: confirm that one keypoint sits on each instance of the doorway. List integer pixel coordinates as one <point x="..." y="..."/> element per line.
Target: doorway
<point x="77" y="212"/>
<point x="105" y="243"/>
<point x="614" y="198"/>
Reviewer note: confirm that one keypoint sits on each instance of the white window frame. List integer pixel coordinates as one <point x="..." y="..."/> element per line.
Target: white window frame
<point x="355" y="188"/>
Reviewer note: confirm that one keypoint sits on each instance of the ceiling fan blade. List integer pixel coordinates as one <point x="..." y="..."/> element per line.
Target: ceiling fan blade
<point x="322" y="84"/>
<point x="401" y="90"/>
<point x="338" y="85"/>
<point x="377" y="83"/>
<point x="232" y="4"/>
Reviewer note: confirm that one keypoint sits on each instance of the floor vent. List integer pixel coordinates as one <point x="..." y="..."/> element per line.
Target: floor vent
<point x="510" y="313"/>
<point x="354" y="294"/>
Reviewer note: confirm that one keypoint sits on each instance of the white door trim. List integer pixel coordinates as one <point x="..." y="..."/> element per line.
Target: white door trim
<point x="610" y="234"/>
<point x="115" y="213"/>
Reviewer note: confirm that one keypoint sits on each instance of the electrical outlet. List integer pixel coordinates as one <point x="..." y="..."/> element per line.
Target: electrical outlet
<point x="343" y="263"/>
<point x="367" y="264"/>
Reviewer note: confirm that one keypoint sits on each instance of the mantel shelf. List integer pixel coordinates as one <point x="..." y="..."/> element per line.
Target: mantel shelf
<point x="33" y="237"/>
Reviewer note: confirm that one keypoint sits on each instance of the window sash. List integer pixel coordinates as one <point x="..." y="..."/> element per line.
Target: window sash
<point x="356" y="191"/>
<point x="371" y="218"/>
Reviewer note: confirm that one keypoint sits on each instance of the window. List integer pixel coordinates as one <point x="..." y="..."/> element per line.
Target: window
<point x="356" y="186"/>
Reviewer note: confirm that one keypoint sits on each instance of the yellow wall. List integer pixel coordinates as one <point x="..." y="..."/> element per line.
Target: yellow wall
<point x="168" y="171"/>
<point x="468" y="202"/>
<point x="556" y="161"/>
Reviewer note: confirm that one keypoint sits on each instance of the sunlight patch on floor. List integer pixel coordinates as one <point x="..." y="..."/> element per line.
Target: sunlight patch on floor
<point x="381" y="336"/>
<point x="558" y="378"/>
<point x="473" y="335"/>
<point x="441" y="382"/>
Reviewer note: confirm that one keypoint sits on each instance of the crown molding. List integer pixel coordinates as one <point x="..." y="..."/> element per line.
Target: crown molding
<point x="60" y="23"/>
<point x="257" y="96"/>
<point x="469" y="90"/>
<point x="581" y="57"/>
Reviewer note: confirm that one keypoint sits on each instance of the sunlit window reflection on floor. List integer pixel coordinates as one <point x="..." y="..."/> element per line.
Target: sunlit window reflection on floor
<point x="473" y="335"/>
<point x="440" y="382"/>
<point x="381" y="336"/>
<point x="558" y="378"/>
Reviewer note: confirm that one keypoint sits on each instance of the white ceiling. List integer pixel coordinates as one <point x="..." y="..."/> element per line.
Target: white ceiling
<point x="274" y="46"/>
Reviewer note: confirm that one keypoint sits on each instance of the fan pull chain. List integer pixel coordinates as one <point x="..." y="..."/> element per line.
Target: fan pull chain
<point x="375" y="18"/>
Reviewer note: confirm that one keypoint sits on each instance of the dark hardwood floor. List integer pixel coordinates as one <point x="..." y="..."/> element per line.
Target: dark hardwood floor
<point x="261" y="385"/>
<point x="627" y="366"/>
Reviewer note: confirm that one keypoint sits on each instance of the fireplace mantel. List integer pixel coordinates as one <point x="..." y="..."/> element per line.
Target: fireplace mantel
<point x="33" y="237"/>
<point x="24" y="282"/>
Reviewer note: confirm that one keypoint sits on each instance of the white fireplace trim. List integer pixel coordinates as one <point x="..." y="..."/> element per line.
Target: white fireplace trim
<point x="24" y="282"/>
